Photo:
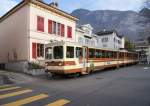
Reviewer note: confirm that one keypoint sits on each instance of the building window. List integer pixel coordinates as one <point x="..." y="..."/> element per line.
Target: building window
<point x="80" y="40"/>
<point x="69" y="32"/>
<point x="62" y="30"/>
<point x="104" y="45"/>
<point x="50" y="26"/>
<point x="58" y="28"/>
<point x="54" y="27"/>
<point x="92" y="43"/>
<point x="40" y="50"/>
<point x="87" y="41"/>
<point x="40" y="23"/>
<point x="104" y="39"/>
<point x="37" y="50"/>
<point x="119" y="42"/>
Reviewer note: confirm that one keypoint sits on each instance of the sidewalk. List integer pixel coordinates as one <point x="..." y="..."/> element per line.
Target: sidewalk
<point x="7" y="77"/>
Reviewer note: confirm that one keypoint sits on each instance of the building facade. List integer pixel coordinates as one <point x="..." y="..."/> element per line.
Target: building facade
<point x="143" y="48"/>
<point x="30" y="25"/>
<point x="110" y="40"/>
<point x="85" y="36"/>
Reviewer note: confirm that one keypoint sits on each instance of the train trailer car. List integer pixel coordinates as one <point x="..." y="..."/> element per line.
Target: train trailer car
<point x="71" y="58"/>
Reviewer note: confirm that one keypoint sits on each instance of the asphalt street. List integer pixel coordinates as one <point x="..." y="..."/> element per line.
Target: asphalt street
<point x="128" y="86"/>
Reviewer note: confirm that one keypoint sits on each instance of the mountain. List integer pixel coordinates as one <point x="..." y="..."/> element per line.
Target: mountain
<point x="127" y="23"/>
<point x="145" y="12"/>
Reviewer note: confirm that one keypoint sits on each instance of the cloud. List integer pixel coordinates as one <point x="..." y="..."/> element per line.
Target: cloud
<point x="118" y="5"/>
<point x="70" y="5"/>
<point x="6" y="5"/>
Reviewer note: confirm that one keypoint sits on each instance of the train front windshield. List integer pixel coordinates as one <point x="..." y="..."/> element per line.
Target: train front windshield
<point x="58" y="52"/>
<point x="54" y="53"/>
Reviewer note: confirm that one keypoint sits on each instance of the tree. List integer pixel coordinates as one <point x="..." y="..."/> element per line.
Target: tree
<point x="148" y="39"/>
<point x="128" y="44"/>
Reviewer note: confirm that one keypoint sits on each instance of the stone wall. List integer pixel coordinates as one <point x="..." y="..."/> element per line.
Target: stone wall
<point x="23" y="67"/>
<point x="19" y="66"/>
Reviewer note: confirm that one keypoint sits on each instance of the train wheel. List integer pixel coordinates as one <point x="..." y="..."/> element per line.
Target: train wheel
<point x="77" y="74"/>
<point x="48" y="74"/>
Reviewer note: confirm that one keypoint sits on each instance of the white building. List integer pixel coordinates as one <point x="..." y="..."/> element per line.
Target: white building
<point x="110" y="40"/>
<point x="26" y="28"/>
<point x="85" y="36"/>
<point x="143" y="48"/>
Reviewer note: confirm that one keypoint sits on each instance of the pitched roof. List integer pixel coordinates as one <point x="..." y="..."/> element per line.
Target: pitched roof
<point x="104" y="33"/>
<point x="41" y="4"/>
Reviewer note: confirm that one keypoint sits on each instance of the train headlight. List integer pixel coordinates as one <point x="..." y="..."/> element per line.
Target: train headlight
<point x="60" y="64"/>
<point x="46" y="64"/>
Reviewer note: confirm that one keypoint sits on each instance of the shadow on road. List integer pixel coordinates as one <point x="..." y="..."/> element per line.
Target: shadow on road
<point x="5" y="80"/>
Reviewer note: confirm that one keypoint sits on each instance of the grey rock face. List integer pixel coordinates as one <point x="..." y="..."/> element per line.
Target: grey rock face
<point x="127" y="23"/>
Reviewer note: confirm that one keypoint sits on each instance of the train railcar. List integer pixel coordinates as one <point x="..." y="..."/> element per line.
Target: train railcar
<point x="71" y="58"/>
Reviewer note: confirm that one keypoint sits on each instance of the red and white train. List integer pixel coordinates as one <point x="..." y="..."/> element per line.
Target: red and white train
<point x="72" y="58"/>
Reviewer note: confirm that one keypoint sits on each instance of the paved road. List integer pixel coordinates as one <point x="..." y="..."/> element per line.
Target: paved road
<point x="128" y="86"/>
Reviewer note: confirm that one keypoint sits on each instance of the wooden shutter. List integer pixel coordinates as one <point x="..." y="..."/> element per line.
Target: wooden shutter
<point x="34" y="50"/>
<point x="40" y="23"/>
<point x="50" y="26"/>
<point x="69" y="32"/>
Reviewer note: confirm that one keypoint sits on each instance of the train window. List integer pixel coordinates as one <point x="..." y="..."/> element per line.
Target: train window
<point x="98" y="53"/>
<point x="70" y="52"/>
<point x="48" y="53"/>
<point x="115" y="54"/>
<point x="58" y="52"/>
<point x="106" y="54"/>
<point x="79" y="52"/>
<point x="121" y="55"/>
<point x="91" y="53"/>
<point x="103" y="54"/>
<point x="110" y="54"/>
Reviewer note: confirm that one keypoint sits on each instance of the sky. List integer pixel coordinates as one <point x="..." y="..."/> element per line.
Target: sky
<point x="70" y="5"/>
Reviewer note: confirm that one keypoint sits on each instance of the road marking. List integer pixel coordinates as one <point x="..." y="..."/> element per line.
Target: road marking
<point x="3" y="86"/>
<point x="14" y="94"/>
<point x="26" y="100"/>
<point x="11" y="88"/>
<point x="60" y="102"/>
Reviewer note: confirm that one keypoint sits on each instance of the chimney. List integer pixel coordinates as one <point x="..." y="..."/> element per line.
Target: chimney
<point x="54" y="4"/>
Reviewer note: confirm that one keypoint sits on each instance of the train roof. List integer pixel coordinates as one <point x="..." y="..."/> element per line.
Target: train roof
<point x="59" y="43"/>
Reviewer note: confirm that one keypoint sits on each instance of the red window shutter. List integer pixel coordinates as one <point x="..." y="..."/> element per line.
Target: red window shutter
<point x="62" y="30"/>
<point x="69" y="31"/>
<point x="50" y="26"/>
<point x="40" y="23"/>
<point x="34" y="50"/>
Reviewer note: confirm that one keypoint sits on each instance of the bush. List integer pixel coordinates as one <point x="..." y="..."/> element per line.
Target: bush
<point x="34" y="65"/>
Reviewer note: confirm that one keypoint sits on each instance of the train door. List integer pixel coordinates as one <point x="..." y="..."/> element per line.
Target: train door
<point x="84" y="57"/>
